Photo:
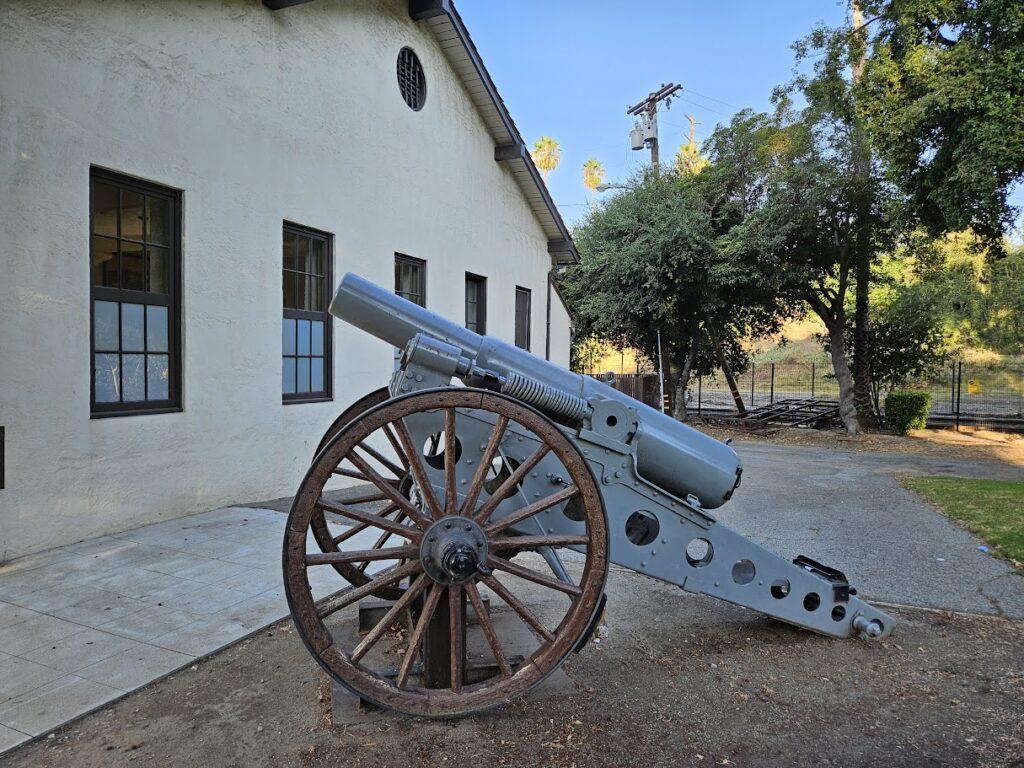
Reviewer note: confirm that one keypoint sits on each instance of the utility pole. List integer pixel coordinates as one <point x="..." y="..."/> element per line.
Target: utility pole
<point x="694" y="122"/>
<point x="645" y="132"/>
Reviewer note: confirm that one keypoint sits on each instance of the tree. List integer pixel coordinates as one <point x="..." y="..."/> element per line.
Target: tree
<point x="813" y="213"/>
<point x="910" y="339"/>
<point x="833" y="89"/>
<point x="689" y="159"/>
<point x="652" y="262"/>
<point x="976" y="293"/>
<point x="547" y="154"/>
<point x="593" y="174"/>
<point x="943" y="99"/>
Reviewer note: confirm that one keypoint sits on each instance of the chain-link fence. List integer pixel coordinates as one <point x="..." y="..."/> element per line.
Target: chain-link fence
<point x="962" y="393"/>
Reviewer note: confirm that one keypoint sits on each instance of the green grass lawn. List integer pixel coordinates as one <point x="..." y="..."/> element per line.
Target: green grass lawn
<point x="992" y="509"/>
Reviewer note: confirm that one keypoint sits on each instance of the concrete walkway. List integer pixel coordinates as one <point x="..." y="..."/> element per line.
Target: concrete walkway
<point x="84" y="624"/>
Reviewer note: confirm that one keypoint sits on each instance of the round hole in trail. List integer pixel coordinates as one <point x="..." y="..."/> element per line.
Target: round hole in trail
<point x="611" y="421"/>
<point x="501" y="469"/>
<point x="642" y="527"/>
<point x="434" y="448"/>
<point x="699" y="552"/>
<point x="743" y="572"/>
<point x="811" y="601"/>
<point x="838" y="613"/>
<point x="780" y="588"/>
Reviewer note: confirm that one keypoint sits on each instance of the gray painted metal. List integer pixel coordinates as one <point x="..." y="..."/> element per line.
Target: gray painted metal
<point x="670" y="454"/>
<point x="658" y="477"/>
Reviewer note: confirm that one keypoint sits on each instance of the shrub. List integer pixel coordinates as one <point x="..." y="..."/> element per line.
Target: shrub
<point x="906" y="410"/>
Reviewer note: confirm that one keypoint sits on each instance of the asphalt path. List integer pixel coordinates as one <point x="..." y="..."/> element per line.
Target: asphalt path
<point x="848" y="510"/>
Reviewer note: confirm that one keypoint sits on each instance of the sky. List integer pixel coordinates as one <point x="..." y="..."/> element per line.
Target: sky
<point x="569" y="69"/>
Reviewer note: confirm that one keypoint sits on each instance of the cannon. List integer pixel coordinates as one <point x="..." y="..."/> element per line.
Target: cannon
<point x="493" y="471"/>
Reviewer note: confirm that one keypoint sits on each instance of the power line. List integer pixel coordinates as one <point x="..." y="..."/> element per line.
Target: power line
<point x="712" y="98"/>
<point x="705" y="106"/>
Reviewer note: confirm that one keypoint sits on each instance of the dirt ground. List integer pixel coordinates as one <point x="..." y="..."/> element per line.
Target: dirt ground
<point x="679" y="681"/>
<point x="968" y="444"/>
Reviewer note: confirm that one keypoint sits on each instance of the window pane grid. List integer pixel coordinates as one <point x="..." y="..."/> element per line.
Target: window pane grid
<point x="476" y="303"/>
<point x="305" y="345"/>
<point x="410" y="279"/>
<point x="522" y="318"/>
<point x="134" y="366"/>
<point x="133" y="251"/>
<point x="142" y="246"/>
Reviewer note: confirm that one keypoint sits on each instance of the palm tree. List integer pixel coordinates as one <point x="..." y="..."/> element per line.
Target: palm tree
<point x="593" y="174"/>
<point x="689" y="160"/>
<point x="546" y="154"/>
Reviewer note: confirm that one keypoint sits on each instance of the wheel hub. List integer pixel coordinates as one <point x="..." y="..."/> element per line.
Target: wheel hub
<point x="453" y="550"/>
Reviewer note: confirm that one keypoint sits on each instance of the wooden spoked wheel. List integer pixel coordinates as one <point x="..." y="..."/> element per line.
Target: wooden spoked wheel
<point x="398" y="476"/>
<point x="452" y="542"/>
<point x="363" y="404"/>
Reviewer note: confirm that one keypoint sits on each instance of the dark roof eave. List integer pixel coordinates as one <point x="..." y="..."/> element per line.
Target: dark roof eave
<point x="447" y="7"/>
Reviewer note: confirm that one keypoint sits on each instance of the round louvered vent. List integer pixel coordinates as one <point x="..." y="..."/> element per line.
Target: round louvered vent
<point x="411" y="80"/>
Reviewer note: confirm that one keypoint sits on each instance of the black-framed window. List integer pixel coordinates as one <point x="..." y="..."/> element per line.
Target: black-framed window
<point x="411" y="279"/>
<point x="307" y="259"/>
<point x="135" y="279"/>
<point x="523" y="298"/>
<point x="476" y="303"/>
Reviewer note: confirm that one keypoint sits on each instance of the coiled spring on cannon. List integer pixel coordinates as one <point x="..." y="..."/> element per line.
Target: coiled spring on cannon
<point x="544" y="397"/>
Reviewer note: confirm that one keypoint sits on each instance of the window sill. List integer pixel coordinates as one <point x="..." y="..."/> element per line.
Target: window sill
<point x="135" y="412"/>
<point x="304" y="400"/>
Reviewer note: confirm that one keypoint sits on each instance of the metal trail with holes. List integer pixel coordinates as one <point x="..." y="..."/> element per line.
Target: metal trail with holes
<point x="526" y="476"/>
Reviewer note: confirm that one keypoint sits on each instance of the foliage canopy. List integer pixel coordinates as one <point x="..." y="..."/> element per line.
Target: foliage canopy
<point x="943" y="99"/>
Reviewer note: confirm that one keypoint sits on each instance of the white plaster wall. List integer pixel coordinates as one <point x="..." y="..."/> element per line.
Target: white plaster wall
<point x="259" y="117"/>
<point x="561" y="330"/>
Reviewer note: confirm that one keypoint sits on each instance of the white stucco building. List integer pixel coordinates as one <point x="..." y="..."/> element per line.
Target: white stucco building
<point x="181" y="184"/>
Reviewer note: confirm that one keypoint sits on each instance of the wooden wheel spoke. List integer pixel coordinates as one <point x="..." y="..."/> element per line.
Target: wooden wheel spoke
<point x="362" y="555"/>
<point x="366" y="498"/>
<point x="510" y="484"/>
<point x="360" y="476"/>
<point x="390" y="434"/>
<point x="535" y="542"/>
<point x="390" y="491"/>
<point x="488" y="629"/>
<point x="384" y="461"/>
<point x="383" y="538"/>
<point x="346" y="597"/>
<point x="419" y="474"/>
<point x="348" y="473"/>
<point x="450" y="441"/>
<point x="531" y="509"/>
<point x="405" y="531"/>
<point x="531" y="575"/>
<point x="389" y="618"/>
<point x="457" y="629"/>
<point x="348" y="534"/>
<point x="516" y="605"/>
<point x="480" y="477"/>
<point x="429" y="606"/>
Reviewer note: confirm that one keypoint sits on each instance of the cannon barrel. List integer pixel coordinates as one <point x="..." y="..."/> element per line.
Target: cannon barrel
<point x="669" y="454"/>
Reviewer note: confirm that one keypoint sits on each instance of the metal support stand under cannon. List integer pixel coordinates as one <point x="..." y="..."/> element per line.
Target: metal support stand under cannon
<point x="525" y="474"/>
